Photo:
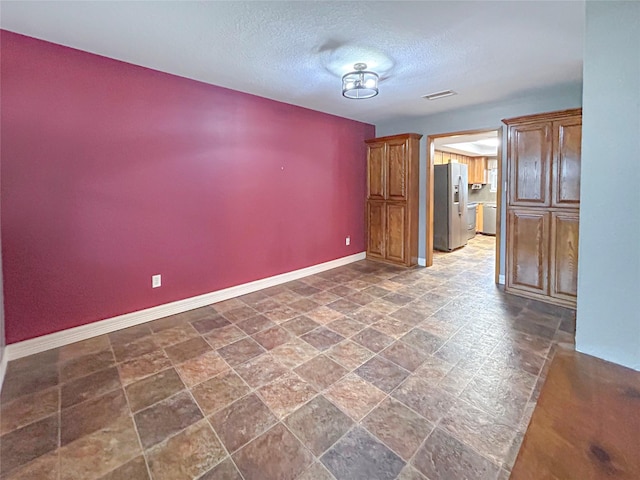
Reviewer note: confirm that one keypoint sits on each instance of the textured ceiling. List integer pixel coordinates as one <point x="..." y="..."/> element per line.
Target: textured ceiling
<point x="296" y="52"/>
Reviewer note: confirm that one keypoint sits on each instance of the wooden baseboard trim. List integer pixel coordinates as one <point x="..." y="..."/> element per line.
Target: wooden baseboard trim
<point x="101" y="327"/>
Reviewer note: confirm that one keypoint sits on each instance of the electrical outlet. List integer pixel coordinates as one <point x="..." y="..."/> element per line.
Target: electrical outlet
<point x="347" y="241"/>
<point x="156" y="281"/>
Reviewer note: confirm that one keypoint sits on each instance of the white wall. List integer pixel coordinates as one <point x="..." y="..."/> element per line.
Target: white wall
<point x="486" y="116"/>
<point x="608" y="321"/>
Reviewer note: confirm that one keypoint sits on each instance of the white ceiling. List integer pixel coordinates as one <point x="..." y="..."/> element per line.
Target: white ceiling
<point x="296" y="52"/>
<point x="468" y="144"/>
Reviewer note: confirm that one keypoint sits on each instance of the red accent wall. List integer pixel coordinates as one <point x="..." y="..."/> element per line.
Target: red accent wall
<point x="113" y="172"/>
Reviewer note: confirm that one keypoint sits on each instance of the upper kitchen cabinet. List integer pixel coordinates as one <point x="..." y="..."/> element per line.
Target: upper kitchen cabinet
<point x="392" y="166"/>
<point x="477" y="170"/>
<point x="544" y="160"/>
<point x="567" y="138"/>
<point x="529" y="152"/>
<point x="392" y="198"/>
<point x="476" y="166"/>
<point x="397" y="166"/>
<point x="376" y="171"/>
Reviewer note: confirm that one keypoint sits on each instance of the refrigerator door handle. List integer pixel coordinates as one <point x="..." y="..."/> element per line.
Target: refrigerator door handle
<point x="460" y="190"/>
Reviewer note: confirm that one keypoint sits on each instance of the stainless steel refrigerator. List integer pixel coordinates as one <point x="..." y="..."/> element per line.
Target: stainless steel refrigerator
<point x="449" y="206"/>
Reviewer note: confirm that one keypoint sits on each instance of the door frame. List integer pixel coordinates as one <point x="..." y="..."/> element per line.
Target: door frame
<point x="429" y="182"/>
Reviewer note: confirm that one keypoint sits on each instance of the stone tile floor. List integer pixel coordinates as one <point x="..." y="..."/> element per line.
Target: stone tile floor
<point x="363" y="372"/>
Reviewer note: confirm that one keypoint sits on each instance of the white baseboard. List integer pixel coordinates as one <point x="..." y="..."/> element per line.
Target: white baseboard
<point x="3" y="367"/>
<point x="83" y="332"/>
<point x="422" y="262"/>
<point x="501" y="279"/>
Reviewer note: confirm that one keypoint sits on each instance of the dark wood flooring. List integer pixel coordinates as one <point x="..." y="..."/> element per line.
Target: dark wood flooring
<point x="586" y="424"/>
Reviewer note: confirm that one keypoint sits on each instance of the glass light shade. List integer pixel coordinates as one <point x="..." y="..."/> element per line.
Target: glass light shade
<point x="360" y="83"/>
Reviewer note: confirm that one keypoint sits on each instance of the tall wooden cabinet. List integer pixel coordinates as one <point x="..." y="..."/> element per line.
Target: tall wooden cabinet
<point x="392" y="198"/>
<point x="543" y="206"/>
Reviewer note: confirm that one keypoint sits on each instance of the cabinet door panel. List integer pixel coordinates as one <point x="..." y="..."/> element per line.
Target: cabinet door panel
<point x="397" y="170"/>
<point x="481" y="168"/>
<point x="474" y="170"/>
<point x="396" y="233"/>
<point x="376" y="229"/>
<point x="529" y="165"/>
<point x="471" y="171"/>
<point x="477" y="167"/>
<point x="376" y="171"/>
<point x="528" y="252"/>
<point x="564" y="255"/>
<point x="567" y="139"/>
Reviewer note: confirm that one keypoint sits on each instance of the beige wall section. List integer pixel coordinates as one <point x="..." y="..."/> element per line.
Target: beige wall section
<point x="488" y="116"/>
<point x="608" y="322"/>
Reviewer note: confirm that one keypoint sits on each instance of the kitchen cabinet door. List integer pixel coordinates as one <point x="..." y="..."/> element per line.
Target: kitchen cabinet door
<point x="437" y="158"/>
<point x="376" y="171"/>
<point x="476" y="170"/>
<point x="528" y="252"/>
<point x="567" y="140"/>
<point x="480" y="167"/>
<point x="396" y="174"/>
<point x="479" y="217"/>
<point x="471" y="173"/>
<point x="529" y="165"/>
<point x="396" y="237"/>
<point x="471" y="170"/>
<point x="564" y="256"/>
<point x="376" y="227"/>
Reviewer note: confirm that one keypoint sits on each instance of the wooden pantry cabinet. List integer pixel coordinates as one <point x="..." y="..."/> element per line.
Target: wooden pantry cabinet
<point x="543" y="206"/>
<point x="392" y="198"/>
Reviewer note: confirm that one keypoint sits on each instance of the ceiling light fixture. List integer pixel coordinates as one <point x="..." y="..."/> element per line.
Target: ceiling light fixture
<point x="437" y="95"/>
<point x="360" y="83"/>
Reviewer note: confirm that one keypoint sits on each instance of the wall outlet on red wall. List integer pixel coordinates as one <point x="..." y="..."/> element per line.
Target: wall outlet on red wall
<point x="347" y="241"/>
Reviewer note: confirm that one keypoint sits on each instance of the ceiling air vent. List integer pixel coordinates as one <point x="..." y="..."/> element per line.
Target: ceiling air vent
<point x="437" y="95"/>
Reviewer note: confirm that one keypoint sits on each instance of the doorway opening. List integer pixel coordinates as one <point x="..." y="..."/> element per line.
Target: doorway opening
<point x="464" y="190"/>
